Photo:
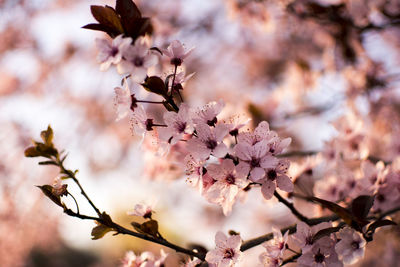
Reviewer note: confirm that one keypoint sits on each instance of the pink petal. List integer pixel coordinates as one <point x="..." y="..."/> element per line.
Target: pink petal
<point x="269" y="162"/>
<point x="257" y="174"/>
<point x="243" y="151"/>
<point x="268" y="189"/>
<point x="284" y="183"/>
<point x="220" y="151"/>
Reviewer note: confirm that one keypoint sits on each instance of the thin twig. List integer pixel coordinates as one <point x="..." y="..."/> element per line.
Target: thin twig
<point x="295" y="212"/>
<point x="122" y="230"/>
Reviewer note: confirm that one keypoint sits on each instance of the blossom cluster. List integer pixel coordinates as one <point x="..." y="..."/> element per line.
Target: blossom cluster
<point x="347" y="246"/>
<point x="223" y="159"/>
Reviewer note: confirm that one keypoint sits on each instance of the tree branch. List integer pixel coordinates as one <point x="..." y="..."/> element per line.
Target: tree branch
<point x="295" y="212"/>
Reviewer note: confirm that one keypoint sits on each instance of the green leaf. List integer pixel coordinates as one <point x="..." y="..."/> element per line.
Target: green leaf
<point x="361" y="205"/>
<point x="108" y="17"/>
<point x="99" y="231"/>
<point x="155" y="85"/>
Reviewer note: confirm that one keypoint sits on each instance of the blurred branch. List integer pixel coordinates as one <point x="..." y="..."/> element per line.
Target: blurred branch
<point x="292" y="229"/>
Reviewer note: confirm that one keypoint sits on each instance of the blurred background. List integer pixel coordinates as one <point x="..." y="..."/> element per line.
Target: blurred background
<point x="297" y="64"/>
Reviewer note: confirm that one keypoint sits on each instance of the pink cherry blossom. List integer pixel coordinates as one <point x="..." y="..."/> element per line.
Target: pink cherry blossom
<point x="176" y="52"/>
<point x="209" y="141"/>
<point x="277" y="246"/>
<point x="322" y="254"/>
<point x="138" y="59"/>
<point x="275" y="176"/>
<point x="236" y="123"/>
<point x="351" y="246"/>
<point x="208" y="114"/>
<point x="268" y="260"/>
<point x="261" y="133"/>
<point x="229" y="180"/>
<point x="146" y="259"/>
<point x="227" y="252"/>
<point x="142" y="210"/>
<point x="125" y="100"/>
<point x="252" y="156"/>
<point x="111" y="52"/>
<point x="304" y="234"/>
<point x="178" y="124"/>
<point x="194" y="171"/>
<point x="140" y="122"/>
<point x="180" y="78"/>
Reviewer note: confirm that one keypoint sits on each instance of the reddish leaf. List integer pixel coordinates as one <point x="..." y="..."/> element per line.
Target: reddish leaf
<point x="48" y="191"/>
<point x="128" y="10"/>
<point x="361" y="205"/>
<point x="108" y="17"/>
<point x="155" y="85"/>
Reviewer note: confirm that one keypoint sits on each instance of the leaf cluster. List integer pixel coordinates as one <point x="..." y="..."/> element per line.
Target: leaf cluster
<point x="125" y="18"/>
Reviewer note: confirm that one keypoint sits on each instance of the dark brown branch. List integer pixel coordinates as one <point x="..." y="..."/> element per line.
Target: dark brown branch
<point x="290" y="206"/>
<point x="292" y="229"/>
<point x="122" y="230"/>
<point x="71" y="175"/>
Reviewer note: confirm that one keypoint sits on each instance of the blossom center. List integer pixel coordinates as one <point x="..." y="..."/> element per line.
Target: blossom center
<point x="212" y="122"/>
<point x="255" y="162"/>
<point x="176" y="61"/>
<point x="272" y="175"/>
<point x="229" y="253"/>
<point x="319" y="257"/>
<point x="355" y="245"/>
<point x="114" y="51"/>
<point x="230" y="178"/>
<point x="138" y="61"/>
<point x="211" y="144"/>
<point x="180" y="126"/>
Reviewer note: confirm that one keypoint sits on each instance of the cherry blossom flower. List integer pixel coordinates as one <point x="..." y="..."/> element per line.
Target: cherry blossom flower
<point x="236" y="123"/>
<point x="194" y="171"/>
<point x="178" y="124"/>
<point x="304" y="234"/>
<point x="209" y="141"/>
<point x="180" y="78"/>
<point x="277" y="246"/>
<point x="322" y="254"/>
<point x="140" y="122"/>
<point x="229" y="180"/>
<point x="351" y="246"/>
<point x="227" y="252"/>
<point x="146" y="259"/>
<point x="138" y="59"/>
<point x="252" y="156"/>
<point x="275" y="176"/>
<point x="176" y="51"/>
<point x="124" y="100"/>
<point x="270" y="261"/>
<point x="59" y="188"/>
<point x="192" y="263"/>
<point x="208" y="113"/>
<point x="111" y="52"/>
<point x="261" y="133"/>
<point x="142" y="210"/>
